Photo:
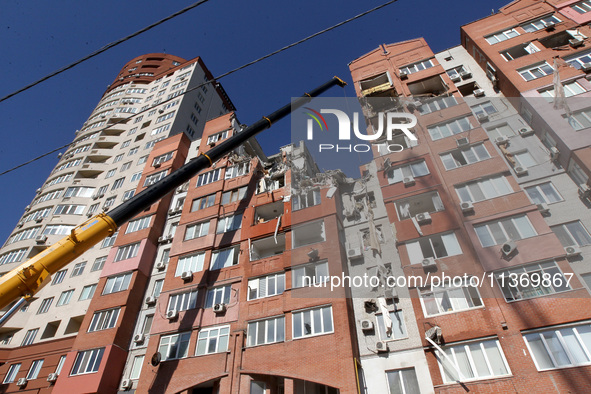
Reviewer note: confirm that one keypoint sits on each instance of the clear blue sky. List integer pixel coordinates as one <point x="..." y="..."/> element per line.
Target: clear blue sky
<point x="39" y="37"/>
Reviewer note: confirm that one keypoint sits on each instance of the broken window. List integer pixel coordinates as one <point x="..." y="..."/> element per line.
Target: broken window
<point x="267" y="212"/>
<point x="308" y="233"/>
<point x="305" y="199"/>
<point x="421" y="203"/>
<point x="267" y="247"/>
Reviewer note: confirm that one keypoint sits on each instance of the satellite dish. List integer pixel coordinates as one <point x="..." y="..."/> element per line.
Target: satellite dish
<point x="156" y="358"/>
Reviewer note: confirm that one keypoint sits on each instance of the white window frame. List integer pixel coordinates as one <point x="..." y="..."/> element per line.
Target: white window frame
<point x="317" y="271"/>
<point x="551" y="351"/>
<point x="117" y="283"/>
<point x="229" y="223"/>
<point x="175" y="343"/>
<point x="237" y="170"/>
<point x="192" y="263"/>
<point x="402" y="380"/>
<point x="415" y="253"/>
<point x="544" y="196"/>
<point x="230" y="255"/>
<point x="418" y="66"/>
<point x="87" y="292"/>
<point x="34" y="369"/>
<point x="65" y="297"/>
<point x="472" y="363"/>
<point x="501" y="36"/>
<point x="13" y="370"/>
<point x="182" y="301"/>
<point x="218" y="295"/>
<point x="273" y="331"/>
<point x="219" y="334"/>
<point x="514" y="279"/>
<point x="450" y="128"/>
<point x="127" y="252"/>
<point x="415" y="169"/>
<point x="138" y="224"/>
<point x="540" y="23"/>
<point x="458" y="299"/>
<point x="208" y="177"/>
<point x="520" y="223"/>
<point x="104" y="319"/>
<point x="536" y="71"/>
<point x="152" y="179"/>
<point x="196" y="230"/>
<point x="468" y="153"/>
<point x="568" y="232"/>
<point x="479" y="183"/>
<point x="266" y="286"/>
<point x="325" y="328"/>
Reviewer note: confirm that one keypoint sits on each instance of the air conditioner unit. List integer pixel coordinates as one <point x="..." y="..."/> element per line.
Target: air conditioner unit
<point x="478" y="92"/>
<point x="366" y="325"/>
<point x="103" y="116"/>
<point x="586" y="67"/>
<point x="550" y="26"/>
<point x="39" y="220"/>
<point x="171" y="315"/>
<point x="151" y="300"/>
<point x="89" y="214"/>
<point x="525" y="131"/>
<point x="160" y="266"/>
<point x="508" y="248"/>
<point x="465" y="74"/>
<point x="157" y="165"/>
<point x="21" y="382"/>
<point x="554" y="153"/>
<point x="381" y="346"/>
<point x="139" y="338"/>
<point x="403" y="74"/>
<point x="456" y="78"/>
<point x="173" y="211"/>
<point x="161" y="111"/>
<point x="520" y="171"/>
<point x="187" y="275"/>
<point x="467" y="206"/>
<point x="462" y="141"/>
<point x="575" y="42"/>
<point x="543" y="208"/>
<point x="125" y="384"/>
<point x="501" y="140"/>
<point x="482" y="118"/>
<point x="52" y="377"/>
<point x="572" y="251"/>
<point x="584" y="191"/>
<point x="41" y="239"/>
<point x="429" y="263"/>
<point x="423" y="217"/>
<point x="20" y="224"/>
<point x="219" y="308"/>
<point x="354" y="252"/>
<point x="38" y="191"/>
<point x="27" y="208"/>
<point x="408" y="181"/>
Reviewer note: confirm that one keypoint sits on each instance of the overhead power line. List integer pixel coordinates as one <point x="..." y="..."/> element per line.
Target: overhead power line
<point x="220" y="76"/>
<point x="103" y="49"/>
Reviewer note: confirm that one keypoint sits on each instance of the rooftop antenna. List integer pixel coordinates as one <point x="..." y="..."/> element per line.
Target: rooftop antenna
<point x="384" y="51"/>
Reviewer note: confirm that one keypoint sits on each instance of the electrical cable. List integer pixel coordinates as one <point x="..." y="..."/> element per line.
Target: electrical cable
<point x="218" y="77"/>
<point x="103" y="49"/>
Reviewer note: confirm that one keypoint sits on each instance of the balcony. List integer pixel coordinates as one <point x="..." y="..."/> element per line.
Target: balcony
<point x="379" y="86"/>
<point x="267" y="247"/>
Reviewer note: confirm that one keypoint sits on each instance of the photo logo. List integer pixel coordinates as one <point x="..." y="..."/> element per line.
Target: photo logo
<point x="388" y="123"/>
